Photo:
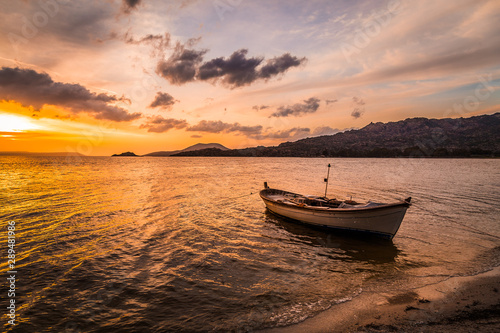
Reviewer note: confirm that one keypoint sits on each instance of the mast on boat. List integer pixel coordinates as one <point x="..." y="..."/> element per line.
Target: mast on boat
<point x="326" y="179"/>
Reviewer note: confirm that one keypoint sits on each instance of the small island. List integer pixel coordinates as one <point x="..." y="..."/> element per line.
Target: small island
<point x="128" y="153"/>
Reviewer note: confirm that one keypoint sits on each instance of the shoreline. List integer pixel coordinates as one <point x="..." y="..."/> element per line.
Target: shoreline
<point x="457" y="304"/>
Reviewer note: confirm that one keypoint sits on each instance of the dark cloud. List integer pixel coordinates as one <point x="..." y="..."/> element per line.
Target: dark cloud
<point x="186" y="65"/>
<point x="359" y="108"/>
<point x="279" y="65"/>
<point x="129" y="5"/>
<point x="212" y="126"/>
<point x="357" y="112"/>
<point x="163" y="100"/>
<point x="164" y="39"/>
<point x="328" y="101"/>
<point x="193" y="41"/>
<point x="37" y="89"/>
<point x="182" y="65"/>
<point x="310" y="105"/>
<point x="247" y="130"/>
<point x="158" y="124"/>
<point x="236" y="71"/>
<point x="196" y="136"/>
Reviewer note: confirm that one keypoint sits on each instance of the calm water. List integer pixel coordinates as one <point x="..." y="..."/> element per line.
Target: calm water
<point x="180" y="244"/>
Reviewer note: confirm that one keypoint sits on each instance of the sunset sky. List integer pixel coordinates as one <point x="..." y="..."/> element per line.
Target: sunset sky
<point x="103" y="77"/>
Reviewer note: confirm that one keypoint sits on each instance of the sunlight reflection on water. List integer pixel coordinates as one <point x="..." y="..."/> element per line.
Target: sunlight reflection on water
<point x="186" y="244"/>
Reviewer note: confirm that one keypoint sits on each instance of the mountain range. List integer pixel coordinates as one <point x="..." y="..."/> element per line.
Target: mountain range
<point x="477" y="136"/>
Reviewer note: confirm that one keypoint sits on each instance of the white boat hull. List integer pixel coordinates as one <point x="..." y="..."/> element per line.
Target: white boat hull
<point x="384" y="219"/>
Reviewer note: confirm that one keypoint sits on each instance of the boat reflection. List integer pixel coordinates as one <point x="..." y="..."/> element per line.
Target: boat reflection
<point x="359" y="247"/>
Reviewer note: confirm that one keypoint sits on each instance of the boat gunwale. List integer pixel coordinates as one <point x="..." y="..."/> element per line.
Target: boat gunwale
<point x="263" y="192"/>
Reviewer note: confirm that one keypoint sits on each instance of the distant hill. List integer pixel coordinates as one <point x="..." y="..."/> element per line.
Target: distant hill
<point x="198" y="146"/>
<point x="128" y="153"/>
<point x="414" y="137"/>
<point x="210" y="152"/>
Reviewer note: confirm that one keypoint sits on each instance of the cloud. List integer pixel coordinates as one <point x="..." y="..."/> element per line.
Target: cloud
<point x="461" y="60"/>
<point x="52" y="31"/>
<point x="292" y="133"/>
<point x="236" y="71"/>
<point x="163" y="100"/>
<point x="357" y="112"/>
<point x="150" y="38"/>
<point x="296" y="133"/>
<point x="158" y="124"/>
<point x="358" y="101"/>
<point x="253" y="132"/>
<point x="186" y="65"/>
<point x="359" y="108"/>
<point x="324" y="130"/>
<point x="182" y="65"/>
<point x="212" y="126"/>
<point x="257" y="132"/>
<point x="129" y="5"/>
<point x="247" y="130"/>
<point x="328" y="101"/>
<point x="29" y="87"/>
<point x="279" y="65"/>
<point x="160" y="43"/>
<point x="310" y="105"/>
<point x="257" y="107"/>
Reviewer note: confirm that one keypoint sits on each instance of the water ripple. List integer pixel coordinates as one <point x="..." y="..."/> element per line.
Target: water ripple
<point x="165" y="244"/>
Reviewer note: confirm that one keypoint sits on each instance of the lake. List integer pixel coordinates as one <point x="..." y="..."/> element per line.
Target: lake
<point x="185" y="243"/>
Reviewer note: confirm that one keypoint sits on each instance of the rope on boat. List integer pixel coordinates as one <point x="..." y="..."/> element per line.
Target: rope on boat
<point x="232" y="201"/>
<point x="238" y="197"/>
<point x="228" y="201"/>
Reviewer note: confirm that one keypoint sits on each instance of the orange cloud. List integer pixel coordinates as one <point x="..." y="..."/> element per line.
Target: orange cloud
<point x="38" y="89"/>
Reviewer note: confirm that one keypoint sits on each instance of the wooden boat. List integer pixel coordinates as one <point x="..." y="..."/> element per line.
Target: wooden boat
<point x="372" y="217"/>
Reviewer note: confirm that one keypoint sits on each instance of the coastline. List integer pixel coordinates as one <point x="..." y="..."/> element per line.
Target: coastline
<point x="457" y="304"/>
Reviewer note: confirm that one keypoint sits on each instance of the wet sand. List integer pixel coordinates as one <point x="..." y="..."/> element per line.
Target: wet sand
<point x="458" y="304"/>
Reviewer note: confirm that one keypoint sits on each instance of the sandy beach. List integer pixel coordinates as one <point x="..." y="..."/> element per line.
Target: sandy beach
<point x="457" y="304"/>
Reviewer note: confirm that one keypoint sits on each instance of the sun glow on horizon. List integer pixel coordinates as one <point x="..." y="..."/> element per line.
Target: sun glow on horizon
<point x="11" y="123"/>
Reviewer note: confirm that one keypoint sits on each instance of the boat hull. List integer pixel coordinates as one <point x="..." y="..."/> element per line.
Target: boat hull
<point x="383" y="220"/>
